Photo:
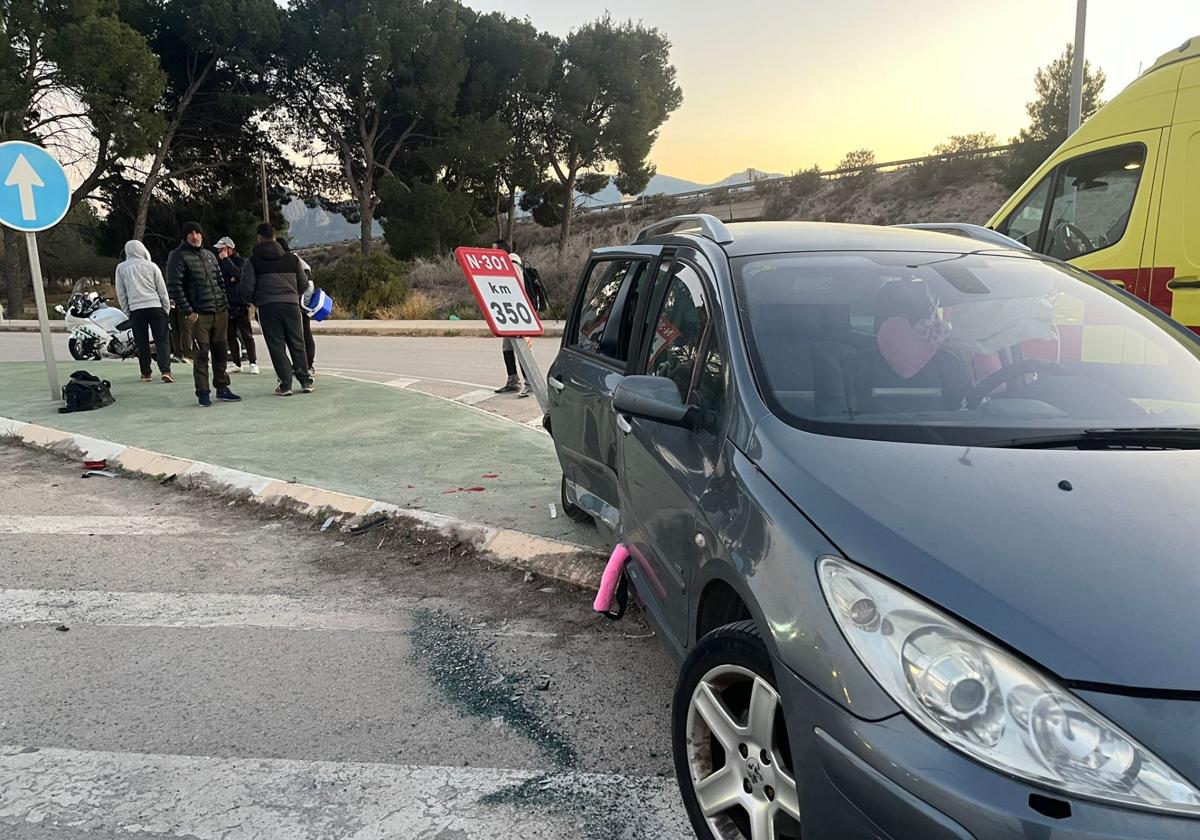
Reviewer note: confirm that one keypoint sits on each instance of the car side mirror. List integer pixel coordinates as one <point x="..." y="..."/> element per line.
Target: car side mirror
<point x="653" y="398"/>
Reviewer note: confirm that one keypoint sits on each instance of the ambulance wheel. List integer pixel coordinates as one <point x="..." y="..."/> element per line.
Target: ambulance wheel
<point x="572" y="510"/>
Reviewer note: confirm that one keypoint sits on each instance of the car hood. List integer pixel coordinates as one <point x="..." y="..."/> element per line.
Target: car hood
<point x="1099" y="584"/>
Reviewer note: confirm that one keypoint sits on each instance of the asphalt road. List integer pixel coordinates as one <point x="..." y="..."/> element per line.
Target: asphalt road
<point x="453" y="367"/>
<point x="181" y="666"/>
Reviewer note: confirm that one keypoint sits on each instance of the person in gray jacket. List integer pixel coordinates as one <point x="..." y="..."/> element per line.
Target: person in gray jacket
<point x="142" y="295"/>
<point x="273" y="281"/>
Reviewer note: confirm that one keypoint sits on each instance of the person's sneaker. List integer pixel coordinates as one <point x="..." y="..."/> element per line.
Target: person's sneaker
<point x="508" y="388"/>
<point x="283" y="392"/>
<point x="233" y="367"/>
<point x="204" y="399"/>
<point x="253" y="369"/>
<point x="167" y="377"/>
<point x="147" y="377"/>
<point x="175" y="360"/>
<point x="225" y="395"/>
<point x="527" y="391"/>
<point x="308" y="387"/>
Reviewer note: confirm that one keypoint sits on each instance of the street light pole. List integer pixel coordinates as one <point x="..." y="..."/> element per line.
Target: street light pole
<point x="262" y="170"/>
<point x="1076" y="113"/>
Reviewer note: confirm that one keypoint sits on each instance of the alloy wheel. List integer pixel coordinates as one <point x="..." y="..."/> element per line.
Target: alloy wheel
<point x="739" y="757"/>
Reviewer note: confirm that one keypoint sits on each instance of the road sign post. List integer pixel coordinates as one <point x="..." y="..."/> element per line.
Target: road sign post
<point x="506" y="307"/>
<point x="34" y="196"/>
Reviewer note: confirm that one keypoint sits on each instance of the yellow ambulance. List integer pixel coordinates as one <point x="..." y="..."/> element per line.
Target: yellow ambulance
<point x="1121" y="197"/>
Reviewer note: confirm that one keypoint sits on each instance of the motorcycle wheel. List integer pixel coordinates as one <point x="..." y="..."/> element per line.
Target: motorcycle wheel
<point x="81" y="352"/>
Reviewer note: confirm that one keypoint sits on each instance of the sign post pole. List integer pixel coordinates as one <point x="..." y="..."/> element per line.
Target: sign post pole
<point x="39" y="294"/>
<point x="533" y="375"/>
<point x="34" y="196"/>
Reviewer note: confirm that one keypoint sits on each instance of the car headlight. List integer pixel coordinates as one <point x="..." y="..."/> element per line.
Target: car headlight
<point x="990" y="705"/>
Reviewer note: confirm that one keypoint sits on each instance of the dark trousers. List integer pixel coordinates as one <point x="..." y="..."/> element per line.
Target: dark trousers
<point x="283" y="331"/>
<point x="181" y="334"/>
<point x="209" y="337"/>
<point x="310" y="346"/>
<point x="240" y="330"/>
<point x="147" y="321"/>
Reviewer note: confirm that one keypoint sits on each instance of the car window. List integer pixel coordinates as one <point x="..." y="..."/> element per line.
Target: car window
<point x="1025" y="223"/>
<point x="960" y="349"/>
<point x="679" y="329"/>
<point x="709" y="394"/>
<point x="609" y="303"/>
<point x="1093" y="199"/>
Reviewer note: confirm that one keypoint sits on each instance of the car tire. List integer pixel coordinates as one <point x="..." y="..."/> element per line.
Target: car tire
<point x="732" y="754"/>
<point x="572" y="510"/>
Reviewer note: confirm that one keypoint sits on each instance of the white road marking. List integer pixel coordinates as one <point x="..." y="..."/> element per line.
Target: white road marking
<point x="81" y="791"/>
<point x="401" y="382"/>
<point x="199" y="610"/>
<point x="192" y="609"/>
<point x="476" y="397"/>
<point x="81" y="524"/>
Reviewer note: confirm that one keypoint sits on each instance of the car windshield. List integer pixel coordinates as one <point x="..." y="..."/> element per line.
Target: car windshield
<point x="959" y="348"/>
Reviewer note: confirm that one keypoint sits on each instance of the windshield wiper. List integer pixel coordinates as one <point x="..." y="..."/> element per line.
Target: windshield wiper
<point x="1165" y="437"/>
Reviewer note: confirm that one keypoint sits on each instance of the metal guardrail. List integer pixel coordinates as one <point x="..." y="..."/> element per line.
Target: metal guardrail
<point x="644" y="200"/>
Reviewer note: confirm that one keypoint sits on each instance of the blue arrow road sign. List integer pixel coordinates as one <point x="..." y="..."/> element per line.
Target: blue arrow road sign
<point x="34" y="193"/>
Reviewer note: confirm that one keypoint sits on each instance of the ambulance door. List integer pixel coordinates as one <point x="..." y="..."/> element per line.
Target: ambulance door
<point x="1176" y="264"/>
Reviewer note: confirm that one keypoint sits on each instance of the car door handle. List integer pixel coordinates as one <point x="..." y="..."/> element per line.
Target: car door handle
<point x="623" y="424"/>
<point x="1184" y="284"/>
<point x="556" y="383"/>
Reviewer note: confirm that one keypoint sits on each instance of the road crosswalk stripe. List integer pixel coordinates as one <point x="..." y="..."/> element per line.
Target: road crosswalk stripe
<point x="88" y="525"/>
<point x="476" y="397"/>
<point x="135" y="794"/>
<point x="206" y="609"/>
<point x="197" y="609"/>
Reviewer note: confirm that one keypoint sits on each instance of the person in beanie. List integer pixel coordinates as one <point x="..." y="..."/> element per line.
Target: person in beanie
<point x="142" y="292"/>
<point x="273" y="281"/>
<point x="194" y="282"/>
<point x="239" y="311"/>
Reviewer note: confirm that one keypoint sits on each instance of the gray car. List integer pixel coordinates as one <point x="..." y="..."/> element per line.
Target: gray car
<point x="914" y="514"/>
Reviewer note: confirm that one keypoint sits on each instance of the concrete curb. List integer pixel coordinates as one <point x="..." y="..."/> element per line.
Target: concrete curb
<point x="561" y="561"/>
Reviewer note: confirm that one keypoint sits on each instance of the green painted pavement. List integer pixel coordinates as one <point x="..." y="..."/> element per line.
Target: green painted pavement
<point x="384" y="443"/>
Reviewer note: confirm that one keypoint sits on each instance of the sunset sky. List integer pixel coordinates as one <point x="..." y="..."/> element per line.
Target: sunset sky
<point x="783" y="84"/>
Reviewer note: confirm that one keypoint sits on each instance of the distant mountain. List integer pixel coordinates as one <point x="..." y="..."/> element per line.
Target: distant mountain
<point x="669" y="185"/>
<point x="314" y="226"/>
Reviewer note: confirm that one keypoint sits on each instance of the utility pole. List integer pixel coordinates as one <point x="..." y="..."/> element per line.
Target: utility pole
<point x="262" y="168"/>
<point x="1076" y="113"/>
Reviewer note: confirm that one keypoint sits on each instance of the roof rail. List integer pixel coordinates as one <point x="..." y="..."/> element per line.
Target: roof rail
<point x="707" y="225"/>
<point x="977" y="232"/>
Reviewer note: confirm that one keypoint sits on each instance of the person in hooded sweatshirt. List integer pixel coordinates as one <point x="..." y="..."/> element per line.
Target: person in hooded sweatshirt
<point x="142" y="294"/>
<point x="194" y="281"/>
<point x="273" y="281"/>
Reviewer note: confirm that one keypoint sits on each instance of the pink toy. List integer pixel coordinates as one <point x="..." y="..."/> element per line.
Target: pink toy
<point x="610" y="579"/>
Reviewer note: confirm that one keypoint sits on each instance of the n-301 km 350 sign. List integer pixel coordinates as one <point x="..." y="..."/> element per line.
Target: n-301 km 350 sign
<point x="498" y="289"/>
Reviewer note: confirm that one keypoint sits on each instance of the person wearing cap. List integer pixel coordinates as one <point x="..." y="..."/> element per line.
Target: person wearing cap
<point x="513" y="384"/>
<point x="273" y="281"/>
<point x="240" y="330"/>
<point x="194" y="282"/>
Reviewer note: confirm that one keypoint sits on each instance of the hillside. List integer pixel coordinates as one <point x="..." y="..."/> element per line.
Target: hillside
<point x="968" y="192"/>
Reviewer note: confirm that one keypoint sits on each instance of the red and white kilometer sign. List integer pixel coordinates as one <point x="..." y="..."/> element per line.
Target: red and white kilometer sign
<point x="499" y="291"/>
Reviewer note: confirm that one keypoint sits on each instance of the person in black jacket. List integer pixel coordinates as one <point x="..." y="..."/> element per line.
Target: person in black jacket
<point x="273" y="281"/>
<point x="194" y="281"/>
<point x="239" y="309"/>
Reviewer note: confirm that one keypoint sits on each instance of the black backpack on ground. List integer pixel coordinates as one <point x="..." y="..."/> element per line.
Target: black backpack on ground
<point x="534" y="288"/>
<point x="85" y="392"/>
